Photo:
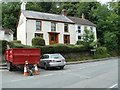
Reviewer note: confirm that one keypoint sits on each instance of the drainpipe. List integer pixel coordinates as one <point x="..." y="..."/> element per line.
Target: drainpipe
<point x="26" y="31"/>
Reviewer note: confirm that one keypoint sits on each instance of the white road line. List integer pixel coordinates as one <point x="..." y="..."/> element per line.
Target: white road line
<point x="3" y="70"/>
<point x="82" y="68"/>
<point x="113" y="85"/>
<point x="48" y="75"/>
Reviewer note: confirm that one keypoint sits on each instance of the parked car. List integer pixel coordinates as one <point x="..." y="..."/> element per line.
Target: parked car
<point x="52" y="60"/>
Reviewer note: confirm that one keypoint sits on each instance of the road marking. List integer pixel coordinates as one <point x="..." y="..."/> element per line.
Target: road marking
<point x="3" y="70"/>
<point x="82" y="68"/>
<point x="48" y="75"/>
<point x="113" y="85"/>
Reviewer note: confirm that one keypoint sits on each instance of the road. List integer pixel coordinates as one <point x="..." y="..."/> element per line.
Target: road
<point x="101" y="74"/>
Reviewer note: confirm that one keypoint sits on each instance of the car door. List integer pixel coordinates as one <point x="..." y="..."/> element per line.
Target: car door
<point x="42" y="61"/>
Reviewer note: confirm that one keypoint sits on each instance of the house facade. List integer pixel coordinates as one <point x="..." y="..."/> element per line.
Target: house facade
<point x="52" y="28"/>
<point x="6" y="34"/>
<point x="80" y="25"/>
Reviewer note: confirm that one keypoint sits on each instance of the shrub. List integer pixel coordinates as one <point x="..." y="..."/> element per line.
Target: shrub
<point x="3" y="45"/>
<point x="37" y="41"/>
<point x="16" y="41"/>
<point x="61" y="48"/>
<point x="101" y="52"/>
<point x="79" y="42"/>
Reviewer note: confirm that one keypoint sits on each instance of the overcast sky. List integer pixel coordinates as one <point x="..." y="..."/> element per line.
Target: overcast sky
<point x="101" y="1"/>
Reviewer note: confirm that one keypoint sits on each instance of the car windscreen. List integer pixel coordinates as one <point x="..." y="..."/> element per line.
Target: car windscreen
<point x="57" y="56"/>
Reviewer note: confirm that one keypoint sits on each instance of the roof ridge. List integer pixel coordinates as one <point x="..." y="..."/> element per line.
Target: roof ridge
<point x="43" y="12"/>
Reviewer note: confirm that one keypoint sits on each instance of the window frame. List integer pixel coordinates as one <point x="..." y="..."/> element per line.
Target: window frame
<point x="65" y="27"/>
<point x="39" y="25"/>
<point x="53" y="26"/>
<point x="79" y="29"/>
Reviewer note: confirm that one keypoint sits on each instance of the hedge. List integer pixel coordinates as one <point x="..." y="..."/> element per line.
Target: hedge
<point x="61" y="48"/>
<point x="3" y="46"/>
<point x="101" y="52"/>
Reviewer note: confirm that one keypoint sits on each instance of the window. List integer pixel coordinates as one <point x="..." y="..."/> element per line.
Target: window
<point x="91" y="28"/>
<point x="79" y="29"/>
<point x="46" y="56"/>
<point x="53" y="26"/>
<point x="38" y="35"/>
<point x="38" y="25"/>
<point x="66" y="39"/>
<point x="79" y="37"/>
<point x="65" y="27"/>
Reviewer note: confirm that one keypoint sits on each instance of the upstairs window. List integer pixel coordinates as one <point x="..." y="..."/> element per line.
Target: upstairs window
<point x="79" y="29"/>
<point x="53" y="26"/>
<point x="65" y="27"/>
<point x="38" y="25"/>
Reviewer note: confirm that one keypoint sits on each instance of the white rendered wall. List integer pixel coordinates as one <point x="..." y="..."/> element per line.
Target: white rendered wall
<point x="21" y="29"/>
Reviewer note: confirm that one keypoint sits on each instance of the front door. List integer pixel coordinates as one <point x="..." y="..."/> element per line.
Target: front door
<point x="53" y="38"/>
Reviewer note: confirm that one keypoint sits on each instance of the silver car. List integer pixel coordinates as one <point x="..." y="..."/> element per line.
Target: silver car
<point x="52" y="60"/>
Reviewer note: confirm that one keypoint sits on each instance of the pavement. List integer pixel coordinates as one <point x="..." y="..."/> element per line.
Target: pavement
<point x="102" y="74"/>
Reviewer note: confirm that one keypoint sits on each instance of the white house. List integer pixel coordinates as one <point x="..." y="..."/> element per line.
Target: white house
<point x="80" y="25"/>
<point x="52" y="28"/>
<point x="6" y="34"/>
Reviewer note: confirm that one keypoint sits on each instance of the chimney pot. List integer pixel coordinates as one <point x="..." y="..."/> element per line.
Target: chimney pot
<point x="64" y="12"/>
<point x="83" y="17"/>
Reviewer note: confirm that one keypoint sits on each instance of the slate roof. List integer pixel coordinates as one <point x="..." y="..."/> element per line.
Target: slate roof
<point x="46" y="16"/>
<point x="81" y="21"/>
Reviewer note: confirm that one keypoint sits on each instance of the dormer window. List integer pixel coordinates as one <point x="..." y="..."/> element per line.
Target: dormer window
<point x="53" y="26"/>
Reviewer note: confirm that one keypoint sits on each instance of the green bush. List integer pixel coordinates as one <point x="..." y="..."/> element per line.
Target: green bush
<point x="18" y="45"/>
<point x="101" y="52"/>
<point x="79" y="42"/>
<point x="16" y="41"/>
<point x="61" y="48"/>
<point x="3" y="45"/>
<point x="37" y="41"/>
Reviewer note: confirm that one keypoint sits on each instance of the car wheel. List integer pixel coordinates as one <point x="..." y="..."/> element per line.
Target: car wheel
<point x="45" y="66"/>
<point x="62" y="67"/>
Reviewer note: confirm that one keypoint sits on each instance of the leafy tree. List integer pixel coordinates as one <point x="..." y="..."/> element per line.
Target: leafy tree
<point x="111" y="41"/>
<point x="10" y="15"/>
<point x="88" y="39"/>
<point x="70" y="7"/>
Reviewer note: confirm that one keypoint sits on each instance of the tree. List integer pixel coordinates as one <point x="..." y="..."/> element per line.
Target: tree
<point x="111" y="41"/>
<point x="88" y="39"/>
<point x="69" y="6"/>
<point x="10" y="15"/>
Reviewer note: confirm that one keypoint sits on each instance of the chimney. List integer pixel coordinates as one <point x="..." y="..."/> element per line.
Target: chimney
<point x="64" y="12"/>
<point x="23" y="5"/>
<point x="83" y="17"/>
